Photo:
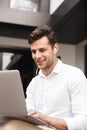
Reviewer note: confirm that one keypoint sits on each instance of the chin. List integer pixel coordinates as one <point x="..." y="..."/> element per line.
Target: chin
<point x="41" y="67"/>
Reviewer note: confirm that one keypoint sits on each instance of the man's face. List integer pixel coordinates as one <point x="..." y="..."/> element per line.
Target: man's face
<point x="42" y="53"/>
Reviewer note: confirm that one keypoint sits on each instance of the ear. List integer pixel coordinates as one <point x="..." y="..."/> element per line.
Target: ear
<point x="56" y="48"/>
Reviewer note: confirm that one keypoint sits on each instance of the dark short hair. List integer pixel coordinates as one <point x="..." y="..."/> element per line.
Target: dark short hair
<point x="42" y="31"/>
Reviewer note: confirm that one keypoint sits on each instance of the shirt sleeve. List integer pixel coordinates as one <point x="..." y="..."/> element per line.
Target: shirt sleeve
<point x="78" y="91"/>
<point x="78" y="122"/>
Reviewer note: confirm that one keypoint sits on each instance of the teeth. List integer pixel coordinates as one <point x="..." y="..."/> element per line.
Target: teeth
<point x="39" y="60"/>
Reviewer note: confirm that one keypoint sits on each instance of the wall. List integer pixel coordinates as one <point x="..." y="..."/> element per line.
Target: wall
<point x="13" y="42"/>
<point x="80" y="55"/>
<point x="67" y="53"/>
<point x="74" y="54"/>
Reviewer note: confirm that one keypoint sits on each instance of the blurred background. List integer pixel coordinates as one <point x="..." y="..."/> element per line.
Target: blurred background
<point x="19" y="17"/>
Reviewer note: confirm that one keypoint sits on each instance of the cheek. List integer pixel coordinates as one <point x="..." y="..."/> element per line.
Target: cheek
<point x="33" y="56"/>
<point x="51" y="55"/>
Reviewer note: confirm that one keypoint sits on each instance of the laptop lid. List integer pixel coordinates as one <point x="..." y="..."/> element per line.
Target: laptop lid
<point x="12" y="100"/>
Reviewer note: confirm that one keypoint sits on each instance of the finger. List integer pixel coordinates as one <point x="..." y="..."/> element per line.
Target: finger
<point x="31" y="112"/>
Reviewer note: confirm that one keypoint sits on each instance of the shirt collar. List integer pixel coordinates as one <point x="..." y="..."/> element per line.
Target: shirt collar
<point x="56" y="69"/>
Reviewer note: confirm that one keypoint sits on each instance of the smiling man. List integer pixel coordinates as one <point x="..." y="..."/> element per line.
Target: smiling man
<point x="58" y="94"/>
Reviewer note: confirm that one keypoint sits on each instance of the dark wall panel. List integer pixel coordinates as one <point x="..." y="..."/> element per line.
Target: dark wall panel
<point x="86" y="60"/>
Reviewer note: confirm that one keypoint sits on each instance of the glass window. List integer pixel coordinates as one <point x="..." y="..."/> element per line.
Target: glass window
<point x="30" y="5"/>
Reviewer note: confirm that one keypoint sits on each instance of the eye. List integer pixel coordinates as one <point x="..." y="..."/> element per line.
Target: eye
<point x="33" y="51"/>
<point x="42" y="50"/>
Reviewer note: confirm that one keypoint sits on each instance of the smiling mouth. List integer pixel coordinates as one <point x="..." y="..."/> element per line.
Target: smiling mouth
<point x="40" y="62"/>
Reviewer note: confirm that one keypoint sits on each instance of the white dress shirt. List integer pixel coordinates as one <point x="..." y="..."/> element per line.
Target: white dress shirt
<point x="62" y="94"/>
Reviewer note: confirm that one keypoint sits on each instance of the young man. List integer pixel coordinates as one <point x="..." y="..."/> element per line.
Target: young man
<point x="58" y="94"/>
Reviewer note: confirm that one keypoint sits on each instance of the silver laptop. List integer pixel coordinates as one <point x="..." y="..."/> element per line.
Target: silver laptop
<point x="12" y="99"/>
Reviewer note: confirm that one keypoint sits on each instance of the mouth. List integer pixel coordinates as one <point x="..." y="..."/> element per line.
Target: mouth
<point x="40" y="62"/>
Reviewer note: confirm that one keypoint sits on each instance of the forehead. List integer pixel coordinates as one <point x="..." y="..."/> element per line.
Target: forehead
<point x="41" y="43"/>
